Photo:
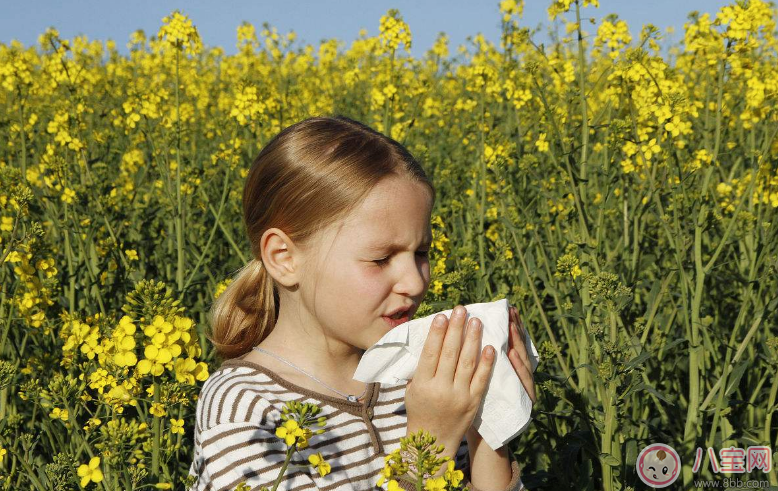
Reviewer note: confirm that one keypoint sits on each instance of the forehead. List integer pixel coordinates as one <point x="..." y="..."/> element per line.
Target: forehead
<point x="395" y="212"/>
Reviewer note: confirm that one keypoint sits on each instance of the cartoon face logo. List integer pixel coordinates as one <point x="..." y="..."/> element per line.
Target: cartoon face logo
<point x="658" y="465"/>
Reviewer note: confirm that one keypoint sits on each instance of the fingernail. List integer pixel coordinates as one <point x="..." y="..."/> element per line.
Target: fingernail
<point x="439" y="319"/>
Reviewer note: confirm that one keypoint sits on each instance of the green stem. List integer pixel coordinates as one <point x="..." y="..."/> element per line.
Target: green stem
<point x="71" y="267"/>
<point x="482" y="193"/>
<point x="582" y="88"/>
<point x="695" y="349"/>
<point x="23" y="136"/>
<point x="225" y="231"/>
<point x="155" y="425"/>
<point x="607" y="437"/>
<point x="289" y="454"/>
<point x="211" y="235"/>
<point x="30" y="472"/>
<point x="180" y="208"/>
<point x="768" y="425"/>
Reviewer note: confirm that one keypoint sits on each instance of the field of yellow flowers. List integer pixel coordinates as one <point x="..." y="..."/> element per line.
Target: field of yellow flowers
<point x="624" y="198"/>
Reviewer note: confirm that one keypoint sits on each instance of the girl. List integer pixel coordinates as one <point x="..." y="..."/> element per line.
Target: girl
<point x="338" y="217"/>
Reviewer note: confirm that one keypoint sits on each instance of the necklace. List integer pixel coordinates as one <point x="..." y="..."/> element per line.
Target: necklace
<point x="351" y="398"/>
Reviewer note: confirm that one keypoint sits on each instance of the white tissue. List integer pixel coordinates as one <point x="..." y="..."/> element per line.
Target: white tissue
<point x="506" y="408"/>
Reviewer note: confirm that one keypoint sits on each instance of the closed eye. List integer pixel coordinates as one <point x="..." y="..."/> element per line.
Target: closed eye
<point x="384" y="261"/>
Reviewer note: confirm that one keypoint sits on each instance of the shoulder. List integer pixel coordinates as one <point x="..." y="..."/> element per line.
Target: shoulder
<point x="235" y="395"/>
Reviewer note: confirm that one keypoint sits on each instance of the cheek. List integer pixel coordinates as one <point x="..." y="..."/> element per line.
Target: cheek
<point x="370" y="280"/>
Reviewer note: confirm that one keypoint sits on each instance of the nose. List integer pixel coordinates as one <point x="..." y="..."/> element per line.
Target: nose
<point x="413" y="277"/>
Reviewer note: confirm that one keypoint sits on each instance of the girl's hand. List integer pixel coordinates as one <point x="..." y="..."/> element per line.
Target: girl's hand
<point x="518" y="353"/>
<point x="450" y="382"/>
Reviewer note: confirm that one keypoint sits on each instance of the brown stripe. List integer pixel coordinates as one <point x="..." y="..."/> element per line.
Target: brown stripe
<point x="236" y="446"/>
<point x="391" y="402"/>
<point x="388" y="390"/>
<point x="226" y="433"/>
<point x="321" y="446"/>
<point x="238" y="399"/>
<point x="250" y="410"/>
<point x="237" y="380"/>
<point x="386" y="429"/>
<point x="233" y="463"/>
<point x="372" y="476"/>
<point x="397" y="413"/>
<point x="287" y="477"/>
<point x="211" y="397"/>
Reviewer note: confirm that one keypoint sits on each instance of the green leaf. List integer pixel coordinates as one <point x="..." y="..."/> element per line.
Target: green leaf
<point x="650" y="390"/>
<point x="631" y="451"/>
<point x="735" y="377"/>
<point x="637" y="361"/>
<point x="610" y="460"/>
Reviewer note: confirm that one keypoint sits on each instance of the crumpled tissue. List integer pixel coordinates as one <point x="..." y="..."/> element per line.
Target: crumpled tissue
<point x="506" y="408"/>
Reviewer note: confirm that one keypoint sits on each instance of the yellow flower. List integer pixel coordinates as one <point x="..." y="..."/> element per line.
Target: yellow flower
<point x="542" y="144"/>
<point x="177" y="426"/>
<point x="58" y="413"/>
<point x="2" y="454"/>
<point x="7" y="224"/>
<point x="437" y="287"/>
<point x="289" y="432"/>
<point x="158" y="410"/>
<point x="318" y="462"/>
<point x="453" y="476"/>
<point x="68" y="196"/>
<point x="90" y="472"/>
<point x="179" y="32"/>
<point x="132" y="254"/>
<point x="393" y="31"/>
<point x="435" y="484"/>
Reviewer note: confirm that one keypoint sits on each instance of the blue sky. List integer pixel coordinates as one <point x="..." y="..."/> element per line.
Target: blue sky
<point x="314" y="20"/>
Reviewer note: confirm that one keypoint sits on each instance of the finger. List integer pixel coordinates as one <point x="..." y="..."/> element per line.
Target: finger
<point x="452" y="344"/>
<point x="521" y="346"/>
<point x="468" y="357"/>
<point x="520" y="334"/>
<point x="513" y="335"/>
<point x="430" y="353"/>
<point x="511" y="320"/>
<point x="524" y="373"/>
<point x="482" y="372"/>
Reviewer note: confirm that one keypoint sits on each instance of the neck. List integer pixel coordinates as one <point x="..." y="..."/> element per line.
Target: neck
<point x="325" y="357"/>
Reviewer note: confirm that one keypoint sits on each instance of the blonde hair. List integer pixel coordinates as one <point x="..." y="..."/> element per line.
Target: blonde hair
<point x="312" y="173"/>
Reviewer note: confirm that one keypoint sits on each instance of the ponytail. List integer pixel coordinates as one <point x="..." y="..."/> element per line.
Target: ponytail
<point x="245" y="313"/>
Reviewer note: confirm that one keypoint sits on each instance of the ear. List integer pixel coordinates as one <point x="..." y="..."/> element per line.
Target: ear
<point x="280" y="257"/>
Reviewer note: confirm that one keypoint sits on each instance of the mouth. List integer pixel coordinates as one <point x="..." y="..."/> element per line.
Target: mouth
<point x="397" y="318"/>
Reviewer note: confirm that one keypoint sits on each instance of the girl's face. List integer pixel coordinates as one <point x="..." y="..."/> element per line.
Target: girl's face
<point x="373" y="262"/>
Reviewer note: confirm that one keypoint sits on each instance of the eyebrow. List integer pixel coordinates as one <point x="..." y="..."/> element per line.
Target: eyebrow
<point x="393" y="247"/>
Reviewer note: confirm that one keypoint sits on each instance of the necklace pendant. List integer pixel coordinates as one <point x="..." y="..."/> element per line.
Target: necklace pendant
<point x="352" y="398"/>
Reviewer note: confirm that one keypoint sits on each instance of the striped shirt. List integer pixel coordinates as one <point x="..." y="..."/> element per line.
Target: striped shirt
<point x="239" y="408"/>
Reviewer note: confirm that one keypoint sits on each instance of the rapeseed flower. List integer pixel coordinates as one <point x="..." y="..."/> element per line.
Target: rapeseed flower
<point x="177" y="426"/>
<point x="178" y="32"/>
<point x="90" y="472"/>
<point x="319" y="464"/>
